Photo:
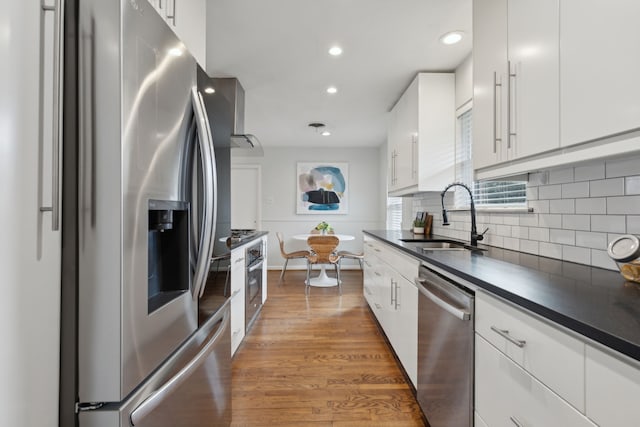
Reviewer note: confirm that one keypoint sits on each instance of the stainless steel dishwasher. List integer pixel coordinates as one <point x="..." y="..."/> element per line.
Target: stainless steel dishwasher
<point x="445" y="350"/>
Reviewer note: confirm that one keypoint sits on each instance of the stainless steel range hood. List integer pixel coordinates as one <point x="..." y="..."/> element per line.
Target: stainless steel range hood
<point x="231" y="91"/>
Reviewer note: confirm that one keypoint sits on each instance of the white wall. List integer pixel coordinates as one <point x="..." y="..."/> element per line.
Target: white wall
<point x="279" y="196"/>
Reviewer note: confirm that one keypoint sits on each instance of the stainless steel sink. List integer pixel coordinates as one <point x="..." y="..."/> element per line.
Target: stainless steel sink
<point x="449" y="246"/>
<point x="441" y="245"/>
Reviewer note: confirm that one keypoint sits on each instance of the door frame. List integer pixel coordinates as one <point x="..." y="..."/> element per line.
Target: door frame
<point x="258" y="187"/>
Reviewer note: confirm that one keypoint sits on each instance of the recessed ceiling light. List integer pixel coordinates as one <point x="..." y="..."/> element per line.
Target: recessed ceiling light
<point x="209" y="90"/>
<point x="451" y="37"/>
<point x="335" y="51"/>
<point x="176" y="51"/>
<point x="332" y="89"/>
<point x="325" y="133"/>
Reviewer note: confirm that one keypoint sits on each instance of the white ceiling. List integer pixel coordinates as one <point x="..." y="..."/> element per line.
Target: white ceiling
<point x="278" y="51"/>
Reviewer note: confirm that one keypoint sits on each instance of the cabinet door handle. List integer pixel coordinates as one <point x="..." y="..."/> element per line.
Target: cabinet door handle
<point x="397" y="305"/>
<point x="378" y="306"/>
<point x="515" y="422"/>
<point x="173" y="14"/>
<point x="414" y="160"/>
<point x="392" y="287"/>
<point x="238" y="260"/>
<point x="504" y="333"/>
<point x="58" y="77"/>
<point x="510" y="93"/>
<point x="236" y="292"/>
<point x="495" y="111"/>
<point x="395" y="167"/>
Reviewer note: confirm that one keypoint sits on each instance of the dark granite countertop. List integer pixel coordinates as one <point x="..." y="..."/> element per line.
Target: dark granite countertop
<point x="594" y="302"/>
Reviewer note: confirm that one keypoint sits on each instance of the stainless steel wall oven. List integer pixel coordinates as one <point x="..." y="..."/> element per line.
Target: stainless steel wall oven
<point x="255" y="264"/>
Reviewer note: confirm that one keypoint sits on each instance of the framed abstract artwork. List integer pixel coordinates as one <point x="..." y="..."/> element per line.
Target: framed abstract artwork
<point x="322" y="188"/>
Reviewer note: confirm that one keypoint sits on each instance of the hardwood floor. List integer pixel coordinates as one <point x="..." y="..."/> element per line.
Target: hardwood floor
<point x="318" y="361"/>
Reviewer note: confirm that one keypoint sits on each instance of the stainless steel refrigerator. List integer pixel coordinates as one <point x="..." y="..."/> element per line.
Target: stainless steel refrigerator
<point x="139" y="215"/>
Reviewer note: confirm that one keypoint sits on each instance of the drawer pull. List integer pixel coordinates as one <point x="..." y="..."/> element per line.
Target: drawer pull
<point x="505" y="334"/>
<point x="378" y="306"/>
<point x="515" y="422"/>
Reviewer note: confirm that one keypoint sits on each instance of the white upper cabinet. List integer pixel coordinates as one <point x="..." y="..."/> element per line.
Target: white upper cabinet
<point x="421" y="137"/>
<point x="543" y="82"/>
<point x="489" y="70"/>
<point x="534" y="82"/>
<point x="187" y="18"/>
<point x="599" y="68"/>
<point x="516" y="81"/>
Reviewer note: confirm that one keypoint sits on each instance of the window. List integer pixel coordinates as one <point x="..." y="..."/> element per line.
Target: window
<point x="394" y="213"/>
<point x="486" y="194"/>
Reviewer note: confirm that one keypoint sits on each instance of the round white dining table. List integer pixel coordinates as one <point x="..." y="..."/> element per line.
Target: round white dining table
<point x="322" y="279"/>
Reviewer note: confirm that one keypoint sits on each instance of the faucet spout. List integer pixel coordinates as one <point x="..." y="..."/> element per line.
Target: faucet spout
<point x="474" y="231"/>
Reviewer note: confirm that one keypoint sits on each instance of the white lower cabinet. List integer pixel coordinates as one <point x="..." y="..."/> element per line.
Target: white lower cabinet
<point x="393" y="298"/>
<point x="507" y="395"/>
<point x="613" y="389"/>
<point x="401" y="325"/>
<point x="237" y="289"/>
<point x="529" y="372"/>
<point x="548" y="353"/>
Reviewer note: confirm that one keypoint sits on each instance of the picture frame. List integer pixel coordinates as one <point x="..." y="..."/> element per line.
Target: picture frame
<point x="322" y="188"/>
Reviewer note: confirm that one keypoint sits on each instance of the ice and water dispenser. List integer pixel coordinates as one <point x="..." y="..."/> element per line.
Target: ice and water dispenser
<point x="168" y="252"/>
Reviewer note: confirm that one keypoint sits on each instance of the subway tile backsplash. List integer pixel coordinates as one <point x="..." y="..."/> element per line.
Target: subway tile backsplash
<point x="577" y="211"/>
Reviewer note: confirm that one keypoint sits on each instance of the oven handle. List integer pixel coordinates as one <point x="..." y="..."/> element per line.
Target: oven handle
<point x="256" y="266"/>
<point x="460" y="314"/>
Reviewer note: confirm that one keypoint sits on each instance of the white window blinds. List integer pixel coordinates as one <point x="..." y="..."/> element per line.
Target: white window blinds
<point x="487" y="194"/>
<point x="394" y="213"/>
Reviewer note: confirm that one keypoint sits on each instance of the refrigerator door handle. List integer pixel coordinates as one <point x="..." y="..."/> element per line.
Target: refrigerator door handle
<point x="205" y="141"/>
<point x="157" y="397"/>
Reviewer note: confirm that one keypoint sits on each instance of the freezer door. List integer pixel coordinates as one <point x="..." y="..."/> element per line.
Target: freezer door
<point x="193" y="388"/>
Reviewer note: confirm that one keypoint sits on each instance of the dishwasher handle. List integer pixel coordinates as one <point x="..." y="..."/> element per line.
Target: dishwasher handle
<point x="458" y="313"/>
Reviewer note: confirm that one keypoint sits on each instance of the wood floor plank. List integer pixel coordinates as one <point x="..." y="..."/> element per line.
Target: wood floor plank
<point x="317" y="361"/>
